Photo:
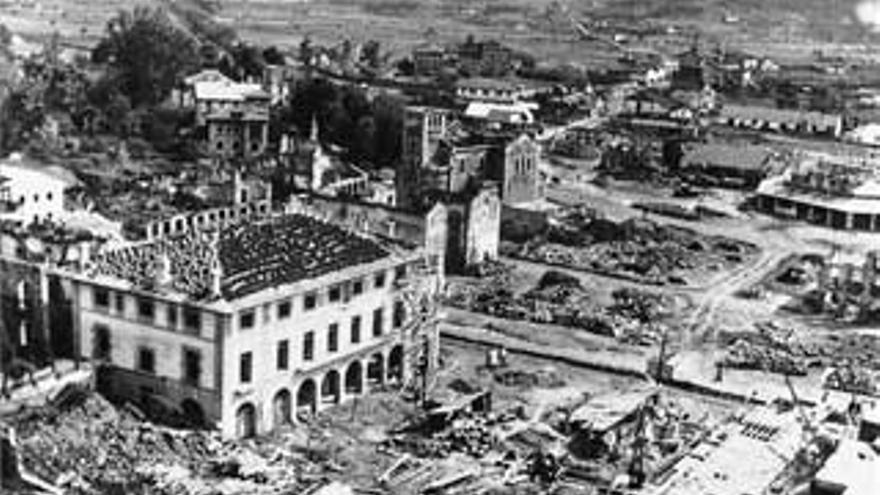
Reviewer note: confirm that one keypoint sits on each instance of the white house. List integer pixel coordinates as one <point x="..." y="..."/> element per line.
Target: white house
<point x="30" y="192"/>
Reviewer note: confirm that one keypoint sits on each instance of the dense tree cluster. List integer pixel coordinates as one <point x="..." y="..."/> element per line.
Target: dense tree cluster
<point x="370" y="130"/>
<point x="147" y="55"/>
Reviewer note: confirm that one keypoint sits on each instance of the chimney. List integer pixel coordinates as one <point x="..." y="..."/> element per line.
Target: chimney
<point x="85" y="255"/>
<point x="163" y="271"/>
<point x="216" y="278"/>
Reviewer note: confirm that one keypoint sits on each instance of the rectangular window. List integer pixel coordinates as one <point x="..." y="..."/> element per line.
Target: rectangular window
<point x="172" y="316"/>
<point x="357" y="287"/>
<point x="309" y="346"/>
<point x="333" y="338"/>
<point x="377" y="322"/>
<point x="310" y="301"/>
<point x="283" y="310"/>
<point x="400" y="272"/>
<point x="245" y="366"/>
<point x="282" y="354"/>
<point x="399" y="314"/>
<point x="380" y="280"/>
<point x="146" y="309"/>
<point x="267" y="313"/>
<point x="120" y="303"/>
<point x="335" y="293"/>
<point x="101" y="298"/>
<point x="192" y="320"/>
<point x="101" y="349"/>
<point x="146" y="360"/>
<point x="192" y="366"/>
<point x="355" y="329"/>
<point x="246" y="320"/>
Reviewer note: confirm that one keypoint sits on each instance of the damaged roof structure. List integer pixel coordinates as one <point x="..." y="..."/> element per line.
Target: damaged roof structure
<point x="239" y="260"/>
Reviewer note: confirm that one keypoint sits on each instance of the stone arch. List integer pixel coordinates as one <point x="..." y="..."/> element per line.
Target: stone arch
<point x="281" y="408"/>
<point x="246" y="421"/>
<point x="396" y="364"/>
<point x="193" y="412"/>
<point x="354" y="378"/>
<point x="307" y="397"/>
<point x="330" y="387"/>
<point x="376" y="370"/>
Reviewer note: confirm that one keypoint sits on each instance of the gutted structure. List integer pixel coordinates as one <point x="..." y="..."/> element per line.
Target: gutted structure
<point x="838" y="195"/>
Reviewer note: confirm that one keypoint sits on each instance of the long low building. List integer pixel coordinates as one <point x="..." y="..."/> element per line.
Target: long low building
<point x="840" y="197"/>
<point x="781" y="120"/>
<point x="252" y="324"/>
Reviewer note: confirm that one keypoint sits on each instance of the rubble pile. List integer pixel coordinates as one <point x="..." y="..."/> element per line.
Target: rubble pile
<point x="545" y="378"/>
<point x="91" y="447"/>
<point x="638" y="249"/>
<point x="772" y="348"/>
<point x="851" y="379"/>
<point x="559" y="298"/>
<point x="562" y="304"/>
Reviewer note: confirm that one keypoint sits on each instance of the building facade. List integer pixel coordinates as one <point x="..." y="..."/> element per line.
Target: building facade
<point x="29" y="193"/>
<point x="234" y="116"/>
<point x="515" y="168"/>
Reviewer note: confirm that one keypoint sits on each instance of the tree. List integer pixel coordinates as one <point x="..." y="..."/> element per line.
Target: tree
<point x="273" y="56"/>
<point x="247" y="61"/>
<point x="147" y="54"/>
<point x="371" y="54"/>
<point x="306" y="51"/>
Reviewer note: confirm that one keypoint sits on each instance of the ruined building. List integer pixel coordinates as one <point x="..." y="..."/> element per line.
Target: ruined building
<point x="439" y="158"/>
<point x="827" y="193"/>
<point x="850" y="290"/>
<point x="255" y="324"/>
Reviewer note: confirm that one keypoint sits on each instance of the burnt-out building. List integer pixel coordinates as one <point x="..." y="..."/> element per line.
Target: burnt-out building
<point x="256" y="324"/>
<point x="487" y="58"/>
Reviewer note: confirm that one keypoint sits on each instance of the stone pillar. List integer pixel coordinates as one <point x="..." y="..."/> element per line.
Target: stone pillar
<point x="869" y="274"/>
<point x="246" y="138"/>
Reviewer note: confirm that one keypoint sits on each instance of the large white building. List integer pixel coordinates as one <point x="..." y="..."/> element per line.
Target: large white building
<point x="30" y="192"/>
<point x="257" y="323"/>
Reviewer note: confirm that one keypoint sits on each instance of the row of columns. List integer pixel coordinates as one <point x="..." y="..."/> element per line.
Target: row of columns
<point x="313" y="394"/>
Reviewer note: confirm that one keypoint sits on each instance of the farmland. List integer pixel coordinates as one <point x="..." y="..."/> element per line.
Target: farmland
<point x="785" y="29"/>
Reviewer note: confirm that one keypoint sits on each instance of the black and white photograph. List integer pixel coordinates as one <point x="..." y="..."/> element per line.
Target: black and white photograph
<point x="440" y="247"/>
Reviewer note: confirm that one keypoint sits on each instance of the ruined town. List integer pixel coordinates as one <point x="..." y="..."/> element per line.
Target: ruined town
<point x="440" y="247"/>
